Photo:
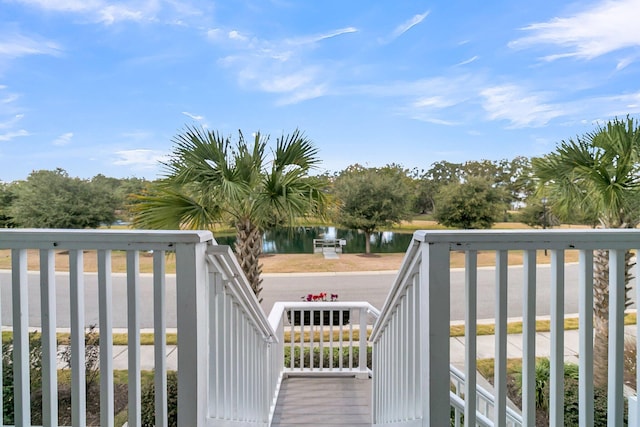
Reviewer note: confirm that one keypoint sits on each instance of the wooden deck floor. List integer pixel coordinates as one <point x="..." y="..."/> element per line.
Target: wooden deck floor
<point x="320" y="402"/>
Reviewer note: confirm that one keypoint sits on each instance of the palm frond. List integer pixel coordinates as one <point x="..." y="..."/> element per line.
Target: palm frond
<point x="167" y="208"/>
<point x="295" y="150"/>
<point x="597" y="173"/>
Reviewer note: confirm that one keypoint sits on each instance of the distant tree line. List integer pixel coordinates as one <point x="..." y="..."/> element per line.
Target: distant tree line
<point x="473" y="194"/>
<point x="53" y="199"/>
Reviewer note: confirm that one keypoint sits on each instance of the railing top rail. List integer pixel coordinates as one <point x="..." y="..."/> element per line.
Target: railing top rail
<point x="231" y="271"/>
<point x="531" y="239"/>
<point x="98" y="239"/>
<point x="408" y="263"/>
<point x="278" y="309"/>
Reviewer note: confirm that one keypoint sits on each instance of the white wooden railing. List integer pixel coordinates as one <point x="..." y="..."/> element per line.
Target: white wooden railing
<point x="411" y="339"/>
<point x="231" y="356"/>
<point x="324" y="337"/>
<point x="485" y="403"/>
<point x="229" y="365"/>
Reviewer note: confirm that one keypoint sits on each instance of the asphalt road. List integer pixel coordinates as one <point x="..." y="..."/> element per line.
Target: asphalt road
<point x="371" y="287"/>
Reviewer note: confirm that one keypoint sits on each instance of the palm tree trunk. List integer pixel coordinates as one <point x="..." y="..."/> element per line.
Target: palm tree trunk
<point x="248" y="251"/>
<point x="600" y="316"/>
<point x="601" y="311"/>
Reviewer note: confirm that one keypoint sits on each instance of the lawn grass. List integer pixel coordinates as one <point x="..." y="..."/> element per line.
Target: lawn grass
<point x="570" y="323"/>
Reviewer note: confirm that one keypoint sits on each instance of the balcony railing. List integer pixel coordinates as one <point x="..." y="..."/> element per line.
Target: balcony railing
<point x="324" y="337"/>
<point x="231" y="357"/>
<point x="229" y="366"/>
<point x="411" y="339"/>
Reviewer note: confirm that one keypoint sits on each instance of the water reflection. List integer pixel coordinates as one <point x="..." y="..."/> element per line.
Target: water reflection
<point x="297" y="240"/>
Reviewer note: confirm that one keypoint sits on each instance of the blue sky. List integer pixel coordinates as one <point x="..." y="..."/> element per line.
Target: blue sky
<point x="94" y="86"/>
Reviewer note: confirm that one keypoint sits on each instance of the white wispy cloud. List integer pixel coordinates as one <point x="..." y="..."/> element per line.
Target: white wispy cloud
<point x="319" y="37"/>
<point x="309" y="92"/>
<point x="195" y="117"/>
<point x="604" y="27"/>
<point x="64" y="139"/>
<point x="139" y="158"/>
<point x="404" y="27"/>
<point x="283" y="67"/>
<point x="62" y="5"/>
<point x="8" y="124"/>
<point x="518" y="106"/>
<point x="14" y="45"/>
<point x="434" y="102"/>
<point x="468" y="61"/>
<point x="110" y="14"/>
<point x="107" y="12"/>
<point x="8" y="136"/>
<point x="9" y="98"/>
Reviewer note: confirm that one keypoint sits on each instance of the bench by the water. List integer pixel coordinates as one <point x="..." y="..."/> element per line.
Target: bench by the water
<point x="328" y="245"/>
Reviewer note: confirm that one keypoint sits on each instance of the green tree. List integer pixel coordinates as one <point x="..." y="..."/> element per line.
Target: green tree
<point x="474" y="203"/>
<point x="121" y="190"/>
<point x="537" y="214"/>
<point x="427" y="186"/>
<point x="210" y="181"/>
<point x="52" y="199"/>
<point x="371" y="198"/>
<point x="7" y="196"/>
<point x="598" y="173"/>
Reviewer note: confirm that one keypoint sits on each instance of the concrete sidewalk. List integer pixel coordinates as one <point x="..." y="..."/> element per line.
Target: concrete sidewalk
<point x="485" y="349"/>
<point x="486" y="346"/>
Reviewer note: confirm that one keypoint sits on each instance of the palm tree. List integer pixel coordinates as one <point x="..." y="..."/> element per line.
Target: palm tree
<point x="597" y="176"/>
<point x="210" y="181"/>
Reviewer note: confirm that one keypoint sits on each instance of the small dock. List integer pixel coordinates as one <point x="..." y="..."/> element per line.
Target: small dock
<point x="323" y="402"/>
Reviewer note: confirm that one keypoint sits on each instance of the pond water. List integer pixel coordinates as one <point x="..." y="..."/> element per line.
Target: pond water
<point x="299" y="240"/>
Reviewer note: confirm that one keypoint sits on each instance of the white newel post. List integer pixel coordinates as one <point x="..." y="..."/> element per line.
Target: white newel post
<point x="434" y="333"/>
<point x="191" y="294"/>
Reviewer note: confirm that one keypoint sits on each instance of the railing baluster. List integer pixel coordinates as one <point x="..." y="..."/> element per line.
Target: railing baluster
<point x="216" y="333"/>
<point x="615" y="407"/>
<point x="340" y="341"/>
<point x="350" y="338"/>
<point x="160" y="338"/>
<point x="78" y="377"/>
<point x="321" y="343"/>
<point x="471" y="286"/>
<point x="412" y="302"/>
<point x="556" y="398"/>
<point x="585" y="309"/>
<point x="292" y="340"/>
<point x="500" y="376"/>
<point x="49" y="341"/>
<point x="529" y="339"/>
<point x="301" y="340"/>
<point x="106" y="337"/>
<point x="21" y="366"/>
<point x="133" y="337"/>
<point x="226" y="350"/>
<point x="331" y="341"/>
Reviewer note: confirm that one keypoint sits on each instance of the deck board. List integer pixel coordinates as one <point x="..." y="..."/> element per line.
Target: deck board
<point x="320" y="402"/>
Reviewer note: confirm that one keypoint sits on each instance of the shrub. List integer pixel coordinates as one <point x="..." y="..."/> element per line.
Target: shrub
<point x="91" y="357"/>
<point x="571" y="408"/>
<point x="35" y="377"/>
<point x="148" y="401"/>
